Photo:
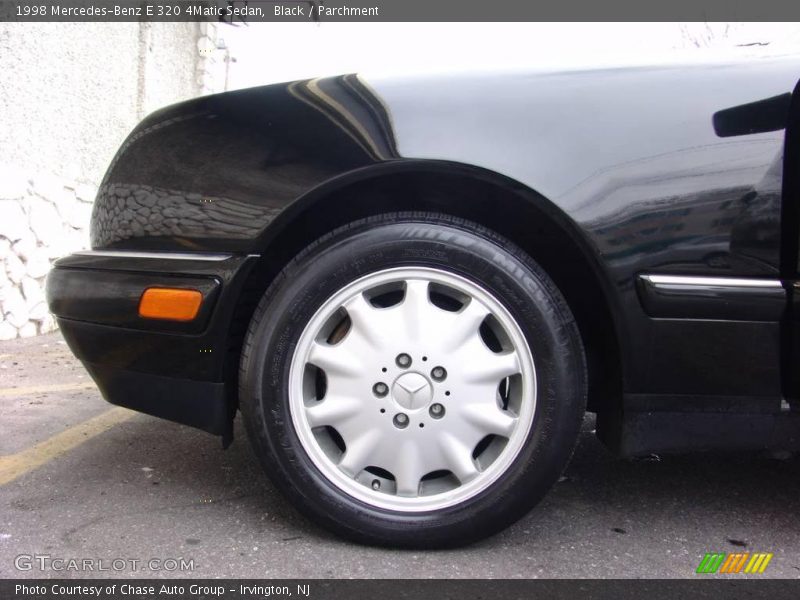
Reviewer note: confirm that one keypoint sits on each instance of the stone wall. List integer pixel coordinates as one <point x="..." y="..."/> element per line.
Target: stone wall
<point x="41" y="218"/>
<point x="69" y="94"/>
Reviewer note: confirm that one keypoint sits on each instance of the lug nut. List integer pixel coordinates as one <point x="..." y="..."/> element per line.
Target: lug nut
<point x="376" y="485"/>
<point x="439" y="373"/>
<point x="400" y="420"/>
<point x="437" y="411"/>
<point x="380" y="389"/>
<point x="403" y="361"/>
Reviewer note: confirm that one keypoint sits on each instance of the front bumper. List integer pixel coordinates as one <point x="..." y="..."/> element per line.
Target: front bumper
<point x="180" y="371"/>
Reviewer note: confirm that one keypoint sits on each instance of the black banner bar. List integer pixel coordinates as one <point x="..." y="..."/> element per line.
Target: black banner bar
<point x="396" y="10"/>
<point x="441" y="589"/>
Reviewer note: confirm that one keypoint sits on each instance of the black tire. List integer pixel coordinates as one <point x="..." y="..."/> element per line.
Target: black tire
<point x="414" y="239"/>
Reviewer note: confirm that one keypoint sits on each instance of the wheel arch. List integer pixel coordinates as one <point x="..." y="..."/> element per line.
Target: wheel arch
<point x="506" y="206"/>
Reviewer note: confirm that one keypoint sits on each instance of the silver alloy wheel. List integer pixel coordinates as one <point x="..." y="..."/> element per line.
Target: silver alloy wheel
<point x="412" y="389"/>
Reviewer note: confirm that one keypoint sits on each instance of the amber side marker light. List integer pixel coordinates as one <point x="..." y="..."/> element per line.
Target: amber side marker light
<point x="170" y="303"/>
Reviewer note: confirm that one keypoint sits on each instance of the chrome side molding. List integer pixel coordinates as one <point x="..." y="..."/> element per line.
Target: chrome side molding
<point x="203" y="256"/>
<point x="679" y="280"/>
<point x="715" y="298"/>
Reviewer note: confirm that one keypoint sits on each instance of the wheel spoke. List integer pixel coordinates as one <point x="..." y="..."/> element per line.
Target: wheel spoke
<point x="490" y="367"/>
<point x="334" y="360"/>
<point x="359" y="451"/>
<point x="463" y="325"/>
<point x="458" y="458"/>
<point x="489" y="419"/>
<point x="365" y="327"/>
<point x="416" y="299"/>
<point x="408" y="470"/>
<point x="333" y="411"/>
<point x="416" y="309"/>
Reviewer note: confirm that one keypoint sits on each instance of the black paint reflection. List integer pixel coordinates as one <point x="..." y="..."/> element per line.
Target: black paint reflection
<point x="214" y="172"/>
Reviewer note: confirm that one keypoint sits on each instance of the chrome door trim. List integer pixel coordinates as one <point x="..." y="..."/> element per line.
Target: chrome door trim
<point x="201" y="256"/>
<point x="715" y="298"/>
<point x="702" y="281"/>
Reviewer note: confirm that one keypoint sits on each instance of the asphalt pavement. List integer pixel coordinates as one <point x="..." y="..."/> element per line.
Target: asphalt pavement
<point x="81" y="480"/>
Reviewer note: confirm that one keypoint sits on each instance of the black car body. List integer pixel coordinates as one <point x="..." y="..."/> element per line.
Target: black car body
<point x="662" y="201"/>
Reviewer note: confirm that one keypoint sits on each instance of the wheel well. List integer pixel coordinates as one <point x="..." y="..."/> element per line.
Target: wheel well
<point x="531" y="223"/>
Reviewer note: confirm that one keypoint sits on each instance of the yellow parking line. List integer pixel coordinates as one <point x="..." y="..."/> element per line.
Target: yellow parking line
<point x="16" y="465"/>
<point x="41" y="389"/>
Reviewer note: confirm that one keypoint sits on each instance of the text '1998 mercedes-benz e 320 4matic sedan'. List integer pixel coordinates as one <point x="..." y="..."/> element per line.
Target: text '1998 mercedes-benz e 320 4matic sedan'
<point x="412" y="289"/>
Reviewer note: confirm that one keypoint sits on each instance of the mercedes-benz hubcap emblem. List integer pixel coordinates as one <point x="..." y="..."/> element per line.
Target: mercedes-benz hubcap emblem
<point x="412" y="391"/>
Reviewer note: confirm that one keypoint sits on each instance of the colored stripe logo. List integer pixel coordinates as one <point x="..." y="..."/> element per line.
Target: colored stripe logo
<point x="737" y="562"/>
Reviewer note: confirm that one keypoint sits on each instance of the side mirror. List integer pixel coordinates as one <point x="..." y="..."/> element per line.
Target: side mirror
<point x="770" y="114"/>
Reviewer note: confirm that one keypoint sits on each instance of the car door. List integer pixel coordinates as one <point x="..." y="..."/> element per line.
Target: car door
<point x="790" y="256"/>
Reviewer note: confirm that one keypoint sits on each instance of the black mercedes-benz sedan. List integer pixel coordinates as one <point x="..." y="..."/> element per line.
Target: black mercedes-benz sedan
<point x="413" y="289"/>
